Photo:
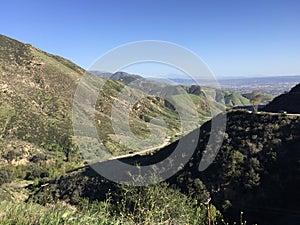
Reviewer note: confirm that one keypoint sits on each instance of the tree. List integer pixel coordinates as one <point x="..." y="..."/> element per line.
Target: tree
<point x="255" y="99"/>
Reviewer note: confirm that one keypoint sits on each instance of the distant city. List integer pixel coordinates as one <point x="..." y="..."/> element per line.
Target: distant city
<point x="273" y="85"/>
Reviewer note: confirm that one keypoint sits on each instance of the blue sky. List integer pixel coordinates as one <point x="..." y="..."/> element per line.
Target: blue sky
<point x="234" y="38"/>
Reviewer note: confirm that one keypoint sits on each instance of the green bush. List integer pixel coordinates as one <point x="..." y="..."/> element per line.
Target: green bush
<point x="159" y="204"/>
<point x="6" y="175"/>
<point x="31" y="213"/>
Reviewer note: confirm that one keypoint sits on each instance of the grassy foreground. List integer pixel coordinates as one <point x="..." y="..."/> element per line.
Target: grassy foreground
<point x="158" y="204"/>
<point x="60" y="213"/>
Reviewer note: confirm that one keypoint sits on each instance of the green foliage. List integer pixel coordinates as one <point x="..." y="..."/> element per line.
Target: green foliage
<point x="157" y="204"/>
<point x="248" y="167"/>
<point x="11" y="155"/>
<point x="198" y="190"/>
<point x="61" y="213"/>
<point x="5" y="175"/>
<point x="258" y="161"/>
<point x="151" y="204"/>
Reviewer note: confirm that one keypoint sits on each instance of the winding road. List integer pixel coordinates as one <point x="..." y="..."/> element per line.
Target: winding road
<point x="166" y="142"/>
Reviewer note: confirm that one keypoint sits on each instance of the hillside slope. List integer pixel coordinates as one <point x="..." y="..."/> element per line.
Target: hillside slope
<point x="256" y="171"/>
<point x="227" y="98"/>
<point x="36" y="99"/>
<point x="36" y="92"/>
<point x="288" y="102"/>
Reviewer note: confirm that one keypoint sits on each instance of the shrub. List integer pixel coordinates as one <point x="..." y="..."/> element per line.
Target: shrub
<point x="159" y="204"/>
<point x="6" y="175"/>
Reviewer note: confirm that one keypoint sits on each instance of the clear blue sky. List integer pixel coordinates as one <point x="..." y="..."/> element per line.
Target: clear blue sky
<point x="235" y="38"/>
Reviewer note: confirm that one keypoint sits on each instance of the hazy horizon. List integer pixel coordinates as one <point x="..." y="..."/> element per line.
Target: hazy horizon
<point x="182" y="76"/>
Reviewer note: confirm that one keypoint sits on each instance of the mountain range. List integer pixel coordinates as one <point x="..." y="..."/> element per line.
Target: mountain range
<point x="36" y="100"/>
<point x="256" y="170"/>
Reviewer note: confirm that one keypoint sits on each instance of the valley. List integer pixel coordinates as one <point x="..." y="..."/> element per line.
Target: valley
<point x="48" y="175"/>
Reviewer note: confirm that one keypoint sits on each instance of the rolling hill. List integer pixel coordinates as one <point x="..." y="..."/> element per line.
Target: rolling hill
<point x="227" y="98"/>
<point x="36" y="91"/>
<point x="255" y="171"/>
<point x="36" y="99"/>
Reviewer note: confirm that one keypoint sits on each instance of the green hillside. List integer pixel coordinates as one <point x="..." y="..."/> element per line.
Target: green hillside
<point x="258" y="162"/>
<point x="36" y="91"/>
<point x="228" y="98"/>
<point x="44" y="178"/>
<point x="36" y="97"/>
